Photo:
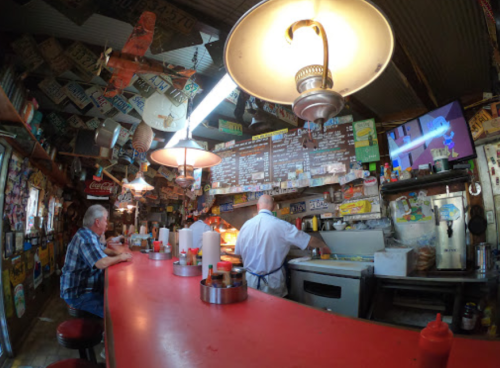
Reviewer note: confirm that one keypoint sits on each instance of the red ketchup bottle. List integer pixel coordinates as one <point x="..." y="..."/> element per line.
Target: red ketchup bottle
<point x="298" y="223"/>
<point x="435" y="344"/>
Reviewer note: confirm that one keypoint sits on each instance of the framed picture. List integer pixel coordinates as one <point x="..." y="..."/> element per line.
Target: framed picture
<point x="9" y="245"/>
<point x="19" y="241"/>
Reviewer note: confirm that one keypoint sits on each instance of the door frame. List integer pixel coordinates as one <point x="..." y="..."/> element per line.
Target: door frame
<point x="4" y="332"/>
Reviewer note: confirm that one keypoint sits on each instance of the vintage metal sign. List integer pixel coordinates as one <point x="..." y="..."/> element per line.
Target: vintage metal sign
<point x="26" y="48"/>
<point x="77" y="94"/>
<point x="99" y="188"/>
<point x="145" y="90"/>
<point x="54" y="55"/>
<point x="53" y="90"/>
<point x="121" y="104"/>
<point x="138" y="102"/>
<point x="76" y="122"/>
<point x="83" y="57"/>
<point x="98" y="99"/>
<point x="230" y="128"/>
<point x="317" y="204"/>
<point x="57" y="122"/>
<point x="298" y="207"/>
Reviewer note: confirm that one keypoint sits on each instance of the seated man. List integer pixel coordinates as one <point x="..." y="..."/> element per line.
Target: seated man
<point x="82" y="280"/>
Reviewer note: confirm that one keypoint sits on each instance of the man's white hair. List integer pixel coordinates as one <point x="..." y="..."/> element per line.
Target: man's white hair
<point x="93" y="213"/>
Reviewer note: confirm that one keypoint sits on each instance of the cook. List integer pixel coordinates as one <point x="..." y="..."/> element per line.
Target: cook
<point x="263" y="243"/>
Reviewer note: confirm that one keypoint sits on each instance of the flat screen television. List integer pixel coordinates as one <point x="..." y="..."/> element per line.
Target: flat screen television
<point x="410" y="144"/>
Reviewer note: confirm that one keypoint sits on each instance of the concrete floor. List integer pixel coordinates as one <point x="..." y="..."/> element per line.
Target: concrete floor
<point x="41" y="347"/>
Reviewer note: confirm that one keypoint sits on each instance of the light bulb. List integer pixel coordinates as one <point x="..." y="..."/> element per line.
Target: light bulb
<point x="306" y="48"/>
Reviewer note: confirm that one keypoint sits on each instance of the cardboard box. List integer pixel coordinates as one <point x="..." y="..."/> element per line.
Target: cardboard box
<point x="394" y="262"/>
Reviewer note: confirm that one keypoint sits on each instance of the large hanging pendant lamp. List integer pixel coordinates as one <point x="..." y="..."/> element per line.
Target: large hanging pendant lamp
<point x="139" y="186"/>
<point x="309" y="53"/>
<point x="186" y="156"/>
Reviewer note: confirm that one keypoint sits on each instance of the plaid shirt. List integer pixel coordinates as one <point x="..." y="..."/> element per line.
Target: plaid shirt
<point x="79" y="276"/>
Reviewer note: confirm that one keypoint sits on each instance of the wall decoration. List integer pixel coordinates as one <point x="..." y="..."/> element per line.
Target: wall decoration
<point x="77" y="94"/>
<point x="7" y="294"/>
<point x="19" y="301"/>
<point x="17" y="272"/>
<point x="19" y="242"/>
<point x="37" y="270"/>
<point x="365" y="141"/>
<point x="9" y="245"/>
<point x="76" y="122"/>
<point x="138" y="102"/>
<point x="53" y="90"/>
<point x="54" y="55"/>
<point x="229" y="127"/>
<point x="27" y="49"/>
<point x="298" y="207"/>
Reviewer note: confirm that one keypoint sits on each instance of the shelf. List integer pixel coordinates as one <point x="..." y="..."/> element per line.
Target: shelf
<point x="452" y="176"/>
<point x="26" y="143"/>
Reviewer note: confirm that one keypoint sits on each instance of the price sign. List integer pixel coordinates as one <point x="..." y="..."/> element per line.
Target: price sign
<point x="298" y="207"/>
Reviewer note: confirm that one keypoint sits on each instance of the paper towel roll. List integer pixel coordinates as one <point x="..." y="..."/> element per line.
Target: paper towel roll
<point x="185" y="240"/>
<point x="163" y="237"/>
<point x="211" y="251"/>
<point x="124" y="230"/>
<point x="131" y="229"/>
<point x="142" y="230"/>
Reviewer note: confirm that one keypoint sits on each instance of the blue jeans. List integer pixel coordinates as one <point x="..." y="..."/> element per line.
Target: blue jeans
<point x="89" y="302"/>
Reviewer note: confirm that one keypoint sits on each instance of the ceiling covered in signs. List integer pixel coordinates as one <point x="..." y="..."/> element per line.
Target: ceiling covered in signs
<point x="443" y="48"/>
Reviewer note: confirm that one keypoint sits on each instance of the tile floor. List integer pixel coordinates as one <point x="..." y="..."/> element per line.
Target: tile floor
<point x="41" y="347"/>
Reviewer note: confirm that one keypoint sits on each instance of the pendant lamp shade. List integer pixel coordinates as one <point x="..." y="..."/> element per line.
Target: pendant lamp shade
<point x="264" y="62"/>
<point x="185" y="151"/>
<point x="138" y="185"/>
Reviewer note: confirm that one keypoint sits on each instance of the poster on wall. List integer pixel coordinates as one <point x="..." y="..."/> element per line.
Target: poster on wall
<point x="37" y="269"/>
<point x="9" y="245"/>
<point x="365" y="141"/>
<point x="19" y="301"/>
<point x="8" y="302"/>
<point x="19" y="242"/>
<point x="492" y="152"/>
<point x="18" y="272"/>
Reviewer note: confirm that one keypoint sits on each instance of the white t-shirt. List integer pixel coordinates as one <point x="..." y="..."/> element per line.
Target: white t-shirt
<point x="198" y="228"/>
<point x="263" y="243"/>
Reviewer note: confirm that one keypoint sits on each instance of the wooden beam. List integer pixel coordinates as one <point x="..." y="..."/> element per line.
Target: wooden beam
<point x="402" y="116"/>
<point x="413" y="76"/>
<point x="356" y="105"/>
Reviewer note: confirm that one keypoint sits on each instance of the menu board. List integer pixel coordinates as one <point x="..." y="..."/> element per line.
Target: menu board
<point x="300" y="156"/>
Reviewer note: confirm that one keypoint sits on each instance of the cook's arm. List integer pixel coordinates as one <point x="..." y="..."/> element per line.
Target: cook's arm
<point x="318" y="243"/>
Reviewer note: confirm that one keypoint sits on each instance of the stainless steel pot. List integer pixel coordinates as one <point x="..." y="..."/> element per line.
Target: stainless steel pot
<point x="107" y="133"/>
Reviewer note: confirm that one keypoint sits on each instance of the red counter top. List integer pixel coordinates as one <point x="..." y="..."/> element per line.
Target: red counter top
<point x="156" y="319"/>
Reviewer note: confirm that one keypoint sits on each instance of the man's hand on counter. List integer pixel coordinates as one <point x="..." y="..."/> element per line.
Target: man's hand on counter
<point x="125" y="257"/>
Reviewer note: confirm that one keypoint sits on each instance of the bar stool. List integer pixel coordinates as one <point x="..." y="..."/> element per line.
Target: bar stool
<point x="82" y="334"/>
<point x="73" y="363"/>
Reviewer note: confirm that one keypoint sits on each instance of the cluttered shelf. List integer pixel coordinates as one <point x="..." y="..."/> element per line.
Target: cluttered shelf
<point x="25" y="142"/>
<point x="451" y="176"/>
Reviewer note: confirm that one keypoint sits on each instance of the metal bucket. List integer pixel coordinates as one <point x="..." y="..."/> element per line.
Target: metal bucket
<point x="223" y="295"/>
<point x="160" y="256"/>
<point x="186" y="271"/>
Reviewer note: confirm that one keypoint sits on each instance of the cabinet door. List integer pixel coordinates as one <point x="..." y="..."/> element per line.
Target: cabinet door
<point x="332" y="293"/>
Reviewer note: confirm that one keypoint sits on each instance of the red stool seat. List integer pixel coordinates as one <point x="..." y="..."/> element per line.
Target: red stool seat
<point x="81" y="329"/>
<point x="82" y="334"/>
<point x="73" y="363"/>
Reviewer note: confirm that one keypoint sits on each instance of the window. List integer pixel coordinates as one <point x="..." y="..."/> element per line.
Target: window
<point x="32" y="209"/>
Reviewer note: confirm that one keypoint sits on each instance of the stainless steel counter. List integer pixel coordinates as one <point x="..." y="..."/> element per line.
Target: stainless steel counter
<point x="473" y="277"/>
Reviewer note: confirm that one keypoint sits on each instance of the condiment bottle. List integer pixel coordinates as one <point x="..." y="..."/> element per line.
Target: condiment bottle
<point x="217" y="280"/>
<point x="434" y="344"/>
<point x="387" y="173"/>
<point x="315" y="223"/>
<point x="236" y="278"/>
<point x="183" y="258"/>
<point x="189" y="257"/>
<point x="208" y="281"/>
<point x="298" y="223"/>
<point x="225" y="268"/>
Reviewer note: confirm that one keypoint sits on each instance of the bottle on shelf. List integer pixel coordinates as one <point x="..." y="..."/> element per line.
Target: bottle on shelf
<point x="387" y="173"/>
<point x="315" y="223"/>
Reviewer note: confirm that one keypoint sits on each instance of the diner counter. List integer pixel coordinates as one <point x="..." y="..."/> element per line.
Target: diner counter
<point x="156" y="319"/>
